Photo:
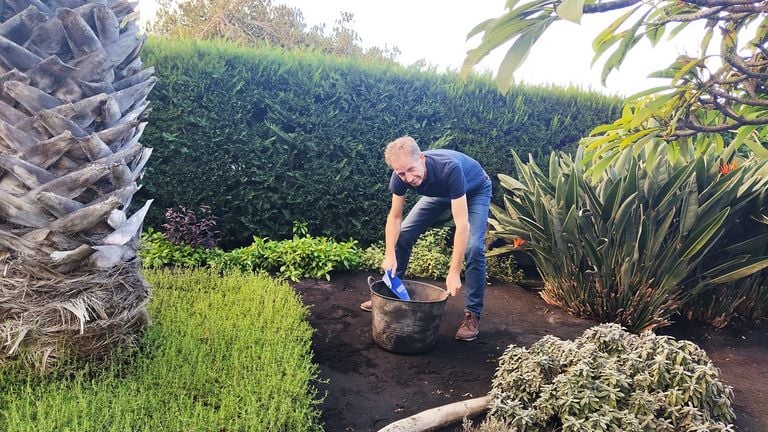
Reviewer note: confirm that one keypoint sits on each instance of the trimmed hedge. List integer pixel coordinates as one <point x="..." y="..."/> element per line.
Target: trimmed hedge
<point x="267" y="137"/>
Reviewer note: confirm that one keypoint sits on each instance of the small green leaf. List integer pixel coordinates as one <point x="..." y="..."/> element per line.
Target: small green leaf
<point x="571" y="10"/>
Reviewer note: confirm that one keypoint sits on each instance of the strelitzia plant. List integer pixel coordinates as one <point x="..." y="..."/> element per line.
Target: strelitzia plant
<point x="639" y="243"/>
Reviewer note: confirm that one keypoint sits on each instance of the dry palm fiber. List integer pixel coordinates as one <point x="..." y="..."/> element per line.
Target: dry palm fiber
<point x="72" y="107"/>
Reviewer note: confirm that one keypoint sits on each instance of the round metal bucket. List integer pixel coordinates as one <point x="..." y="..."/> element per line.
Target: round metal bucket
<point x="407" y="327"/>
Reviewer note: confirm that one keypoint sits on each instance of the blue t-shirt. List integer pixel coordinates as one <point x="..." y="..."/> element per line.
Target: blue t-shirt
<point x="450" y="174"/>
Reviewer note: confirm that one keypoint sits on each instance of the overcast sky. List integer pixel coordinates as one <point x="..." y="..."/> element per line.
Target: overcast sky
<point x="435" y="30"/>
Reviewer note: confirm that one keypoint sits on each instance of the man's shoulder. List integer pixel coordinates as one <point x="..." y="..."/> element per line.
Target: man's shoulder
<point x="445" y="157"/>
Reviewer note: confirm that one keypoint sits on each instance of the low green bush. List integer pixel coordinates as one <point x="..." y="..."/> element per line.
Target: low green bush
<point x="300" y="257"/>
<point x="431" y="258"/>
<point x="223" y="353"/>
<point x="504" y="268"/>
<point x="608" y="380"/>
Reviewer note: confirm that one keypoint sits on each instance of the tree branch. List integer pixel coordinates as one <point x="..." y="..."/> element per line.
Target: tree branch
<point x="737" y="99"/>
<point x="740" y="65"/>
<point x="609" y="6"/>
<point x="715" y="3"/>
<point x="704" y="13"/>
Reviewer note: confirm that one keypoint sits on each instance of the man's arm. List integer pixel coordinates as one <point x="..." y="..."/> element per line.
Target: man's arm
<point x="460" y="238"/>
<point x="392" y="232"/>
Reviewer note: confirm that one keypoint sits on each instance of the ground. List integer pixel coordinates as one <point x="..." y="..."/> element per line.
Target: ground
<point x="366" y="387"/>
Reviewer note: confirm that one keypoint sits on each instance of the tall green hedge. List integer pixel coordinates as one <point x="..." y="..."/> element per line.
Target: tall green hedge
<point x="267" y="137"/>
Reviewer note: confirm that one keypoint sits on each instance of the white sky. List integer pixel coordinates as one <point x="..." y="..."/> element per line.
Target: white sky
<point x="435" y="30"/>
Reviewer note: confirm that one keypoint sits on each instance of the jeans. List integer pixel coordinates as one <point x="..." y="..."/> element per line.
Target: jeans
<point x="421" y="217"/>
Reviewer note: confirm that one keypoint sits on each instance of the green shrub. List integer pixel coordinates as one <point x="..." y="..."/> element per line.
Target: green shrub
<point x="300" y="257"/>
<point x="430" y="258"/>
<point x="371" y="257"/>
<point x="158" y="252"/>
<point x="504" y="268"/>
<point x="223" y="353"/>
<point x="648" y="240"/>
<point x="268" y="136"/>
<point x="608" y="380"/>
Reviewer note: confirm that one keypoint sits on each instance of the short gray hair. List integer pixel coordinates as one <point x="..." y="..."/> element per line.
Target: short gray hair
<point x="403" y="145"/>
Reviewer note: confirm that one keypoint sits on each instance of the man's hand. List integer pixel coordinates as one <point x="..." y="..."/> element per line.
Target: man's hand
<point x="453" y="282"/>
<point x="389" y="263"/>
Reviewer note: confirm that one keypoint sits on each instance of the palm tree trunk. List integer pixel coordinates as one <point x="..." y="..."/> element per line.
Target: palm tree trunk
<point x="72" y="110"/>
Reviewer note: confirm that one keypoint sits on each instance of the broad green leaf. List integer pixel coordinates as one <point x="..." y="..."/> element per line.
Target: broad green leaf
<point x="677" y="30"/>
<point x="748" y="246"/>
<point x="689" y="63"/>
<point x="598" y="168"/>
<point x="690" y="210"/>
<point x="673" y="185"/>
<point x="754" y="144"/>
<point x="604" y="35"/>
<point x="503" y="29"/>
<point x="631" y="139"/>
<point x="654" y="33"/>
<point x="511" y="183"/>
<point x="742" y="270"/>
<point x="703" y="234"/>
<point x="621" y="216"/>
<point x="647" y="92"/>
<point x="480" y="28"/>
<point x="517" y="54"/>
<point x="661" y="233"/>
<point x="705" y="41"/>
<point x="627" y="42"/>
<point x="572" y="191"/>
<point x="571" y="10"/>
<point x="609" y="42"/>
<point x="503" y="250"/>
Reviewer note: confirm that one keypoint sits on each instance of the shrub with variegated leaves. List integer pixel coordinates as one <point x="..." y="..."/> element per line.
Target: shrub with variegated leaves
<point x="608" y="379"/>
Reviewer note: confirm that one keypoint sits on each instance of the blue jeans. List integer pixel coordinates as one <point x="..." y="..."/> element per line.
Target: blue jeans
<point x="421" y="217"/>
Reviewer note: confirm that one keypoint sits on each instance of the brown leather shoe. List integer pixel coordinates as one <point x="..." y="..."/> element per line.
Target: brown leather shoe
<point x="469" y="327"/>
<point x="366" y="306"/>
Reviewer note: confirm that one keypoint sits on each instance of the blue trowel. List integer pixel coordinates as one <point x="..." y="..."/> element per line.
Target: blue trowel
<point x="396" y="285"/>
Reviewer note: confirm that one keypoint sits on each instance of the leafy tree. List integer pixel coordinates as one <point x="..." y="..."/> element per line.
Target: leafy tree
<point x="716" y="98"/>
<point x="256" y="22"/>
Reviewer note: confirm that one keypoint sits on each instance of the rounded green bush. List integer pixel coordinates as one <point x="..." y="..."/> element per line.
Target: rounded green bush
<point x="606" y="380"/>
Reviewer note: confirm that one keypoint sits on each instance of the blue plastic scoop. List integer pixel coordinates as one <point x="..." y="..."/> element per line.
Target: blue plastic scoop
<point x="396" y="285"/>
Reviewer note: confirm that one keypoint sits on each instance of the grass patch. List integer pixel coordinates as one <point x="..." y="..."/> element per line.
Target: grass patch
<point x="225" y="353"/>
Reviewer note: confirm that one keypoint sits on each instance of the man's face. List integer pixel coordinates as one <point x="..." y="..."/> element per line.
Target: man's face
<point x="410" y="169"/>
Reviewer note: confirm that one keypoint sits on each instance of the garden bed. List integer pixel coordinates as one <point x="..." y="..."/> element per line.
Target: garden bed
<point x="368" y="388"/>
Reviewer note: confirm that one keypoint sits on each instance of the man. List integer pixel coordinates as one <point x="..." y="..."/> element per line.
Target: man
<point x="445" y="179"/>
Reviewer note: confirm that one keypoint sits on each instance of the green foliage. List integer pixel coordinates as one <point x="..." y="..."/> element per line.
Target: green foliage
<point x="504" y="268"/>
<point x="430" y="258"/>
<point x="223" y="353"/>
<point x="266" y="137"/>
<point x="608" y="379"/>
<point x="646" y="240"/>
<point x="299" y="257"/>
<point x="260" y="23"/>
<point x="714" y="102"/>
<point x="372" y="257"/>
<point x="158" y="252"/>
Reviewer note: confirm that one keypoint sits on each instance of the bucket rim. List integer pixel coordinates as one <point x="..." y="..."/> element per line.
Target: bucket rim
<point x="444" y="292"/>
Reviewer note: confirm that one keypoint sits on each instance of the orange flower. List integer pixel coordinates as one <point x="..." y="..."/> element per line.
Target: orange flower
<point x="518" y="242"/>
<point x="725" y="168"/>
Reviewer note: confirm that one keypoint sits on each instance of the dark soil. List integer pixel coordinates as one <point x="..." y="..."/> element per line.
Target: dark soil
<point x="367" y="388"/>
